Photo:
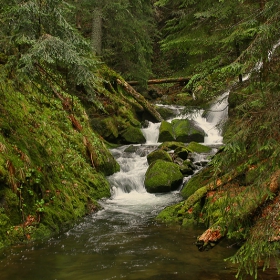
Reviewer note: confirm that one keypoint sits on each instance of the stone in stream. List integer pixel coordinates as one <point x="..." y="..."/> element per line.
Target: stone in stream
<point x="163" y="176"/>
<point x="158" y="154"/>
<point x="166" y="132"/>
<point x="181" y="131"/>
<point x="186" y="131"/>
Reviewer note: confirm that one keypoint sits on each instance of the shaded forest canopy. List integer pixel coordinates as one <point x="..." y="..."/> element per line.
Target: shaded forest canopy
<point x="64" y="101"/>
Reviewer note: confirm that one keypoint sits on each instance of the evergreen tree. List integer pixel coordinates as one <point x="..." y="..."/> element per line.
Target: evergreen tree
<point x="221" y="39"/>
<point x="45" y="45"/>
<point x="124" y="36"/>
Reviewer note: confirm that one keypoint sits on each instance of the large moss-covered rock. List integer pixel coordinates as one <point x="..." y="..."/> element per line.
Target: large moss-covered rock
<point x="165" y="132"/>
<point x="158" y="154"/>
<point x="163" y="176"/>
<point x="186" y="131"/>
<point x="171" y="145"/>
<point x="106" y="127"/>
<point x="194" y="147"/>
<point x="132" y="135"/>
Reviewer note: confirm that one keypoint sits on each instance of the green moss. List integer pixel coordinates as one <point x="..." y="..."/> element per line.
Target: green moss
<point x="50" y="172"/>
<point x="196" y="182"/>
<point x="133" y="135"/>
<point x="181" y="152"/>
<point x="171" y="145"/>
<point x="198" y="148"/>
<point x="163" y="176"/>
<point x="158" y="154"/>
<point x="169" y="214"/>
<point x="166" y="113"/>
<point x="166" y="132"/>
<point x="185" y="131"/>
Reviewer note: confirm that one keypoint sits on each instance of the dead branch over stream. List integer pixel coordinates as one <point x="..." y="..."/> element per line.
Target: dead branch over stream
<point x="182" y="81"/>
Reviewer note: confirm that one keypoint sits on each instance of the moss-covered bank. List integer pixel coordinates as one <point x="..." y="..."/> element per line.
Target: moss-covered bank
<point x="53" y="163"/>
<point x="237" y="195"/>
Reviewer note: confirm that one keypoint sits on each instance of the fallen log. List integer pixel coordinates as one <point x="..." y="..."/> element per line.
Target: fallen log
<point x="209" y="239"/>
<point x="141" y="100"/>
<point x="182" y="81"/>
<point x="249" y="204"/>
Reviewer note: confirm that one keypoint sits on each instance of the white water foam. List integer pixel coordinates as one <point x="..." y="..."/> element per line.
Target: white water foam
<point x="151" y="133"/>
<point x="210" y="121"/>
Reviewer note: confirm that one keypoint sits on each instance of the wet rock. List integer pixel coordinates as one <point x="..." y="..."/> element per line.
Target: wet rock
<point x="166" y="132"/>
<point x="131" y="149"/>
<point x="163" y="176"/>
<point x="166" y="113"/>
<point x="186" y="131"/>
<point x="195" y="147"/>
<point x="182" y="152"/>
<point x="133" y="135"/>
<point x="171" y="145"/>
<point x="158" y="154"/>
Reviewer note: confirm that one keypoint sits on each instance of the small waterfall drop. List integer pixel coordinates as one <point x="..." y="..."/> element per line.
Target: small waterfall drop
<point x="216" y="116"/>
<point x="210" y="121"/>
<point x="151" y="133"/>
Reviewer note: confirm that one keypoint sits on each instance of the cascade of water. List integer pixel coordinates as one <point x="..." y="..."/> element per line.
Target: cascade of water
<point x="128" y="184"/>
<point x="210" y="121"/>
<point x="215" y="118"/>
<point x="151" y="133"/>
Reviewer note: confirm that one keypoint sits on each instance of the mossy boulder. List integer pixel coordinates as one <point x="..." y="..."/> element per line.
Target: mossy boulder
<point x="132" y="135"/>
<point x="171" y="145"/>
<point x="166" y="132"/>
<point x="158" y="154"/>
<point x="119" y="130"/>
<point x="187" y="167"/>
<point x="162" y="176"/>
<point x="182" y="152"/>
<point x="195" y="147"/>
<point x="106" y="127"/>
<point x="186" y="131"/>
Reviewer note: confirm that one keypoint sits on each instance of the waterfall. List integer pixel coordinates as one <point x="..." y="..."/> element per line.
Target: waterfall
<point x="151" y="133"/>
<point x="216" y="116"/>
<point x="210" y="121"/>
<point x="128" y="183"/>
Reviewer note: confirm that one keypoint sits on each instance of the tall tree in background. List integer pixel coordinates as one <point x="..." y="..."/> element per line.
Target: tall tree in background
<point x="122" y="33"/>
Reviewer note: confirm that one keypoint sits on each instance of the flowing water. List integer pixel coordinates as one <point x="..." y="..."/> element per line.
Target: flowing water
<point x="123" y="241"/>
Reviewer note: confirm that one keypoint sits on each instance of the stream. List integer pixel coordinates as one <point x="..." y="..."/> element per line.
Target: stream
<point x="123" y="241"/>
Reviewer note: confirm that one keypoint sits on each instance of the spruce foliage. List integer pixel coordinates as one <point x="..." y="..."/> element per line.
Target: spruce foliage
<point x="221" y="40"/>
<point x="43" y="43"/>
<point x="226" y="42"/>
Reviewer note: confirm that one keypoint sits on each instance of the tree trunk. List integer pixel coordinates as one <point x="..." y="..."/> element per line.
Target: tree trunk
<point x="96" y="35"/>
<point x="237" y="49"/>
<point x="78" y="15"/>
